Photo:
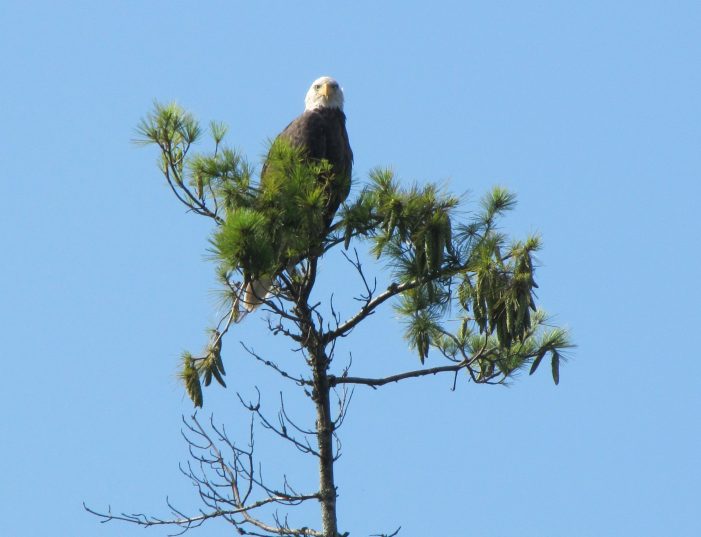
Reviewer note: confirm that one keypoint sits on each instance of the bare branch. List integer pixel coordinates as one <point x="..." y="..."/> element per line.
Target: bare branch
<point x="283" y="410"/>
<point x="393" y="534"/>
<point x="304" y="447"/>
<point x="392" y="290"/>
<point x="376" y="382"/>
<point x="368" y="309"/>
<point x="298" y="380"/>
<point x="343" y="405"/>
<point x="213" y="476"/>
<point x="369" y="292"/>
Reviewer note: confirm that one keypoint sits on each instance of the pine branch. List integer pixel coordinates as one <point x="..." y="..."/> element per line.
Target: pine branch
<point x="194" y="203"/>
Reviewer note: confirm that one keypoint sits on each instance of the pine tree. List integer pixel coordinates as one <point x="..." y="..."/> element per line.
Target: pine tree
<point x="465" y="291"/>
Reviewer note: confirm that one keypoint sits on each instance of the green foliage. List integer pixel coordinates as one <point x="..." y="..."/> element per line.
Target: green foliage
<point x="212" y="365"/>
<point x="293" y="193"/>
<point x="243" y="241"/>
<point x="168" y="126"/>
<point x="495" y="203"/>
<point x="261" y="226"/>
<point x="225" y="173"/>
<point x="553" y="341"/>
<point x="416" y="221"/>
<point x="492" y="362"/>
<point x="473" y="272"/>
<point x="503" y="292"/>
<point x="464" y="288"/>
<point x="218" y="131"/>
<point x="195" y="371"/>
<point x="281" y="219"/>
<point x="191" y="379"/>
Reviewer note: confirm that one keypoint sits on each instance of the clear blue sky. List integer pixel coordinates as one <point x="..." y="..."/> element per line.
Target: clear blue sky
<point x="589" y="111"/>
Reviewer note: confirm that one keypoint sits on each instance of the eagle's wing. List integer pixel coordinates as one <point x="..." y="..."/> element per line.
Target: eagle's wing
<point x="308" y="131"/>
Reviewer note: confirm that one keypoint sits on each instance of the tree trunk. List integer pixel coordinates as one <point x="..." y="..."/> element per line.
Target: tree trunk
<point x="319" y="361"/>
<point x="324" y="432"/>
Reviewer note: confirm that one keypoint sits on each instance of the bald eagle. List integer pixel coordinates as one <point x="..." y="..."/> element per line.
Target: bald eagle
<point x="320" y="132"/>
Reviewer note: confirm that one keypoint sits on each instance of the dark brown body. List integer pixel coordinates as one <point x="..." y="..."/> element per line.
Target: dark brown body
<point x="322" y="134"/>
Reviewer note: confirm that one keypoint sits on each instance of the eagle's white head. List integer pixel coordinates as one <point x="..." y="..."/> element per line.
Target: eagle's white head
<point x="324" y="93"/>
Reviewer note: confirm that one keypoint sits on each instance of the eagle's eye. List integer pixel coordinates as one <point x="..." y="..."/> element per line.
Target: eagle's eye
<point x="317" y="86"/>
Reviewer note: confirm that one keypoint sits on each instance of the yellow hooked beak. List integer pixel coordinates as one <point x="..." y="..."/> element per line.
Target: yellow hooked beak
<point x="325" y="90"/>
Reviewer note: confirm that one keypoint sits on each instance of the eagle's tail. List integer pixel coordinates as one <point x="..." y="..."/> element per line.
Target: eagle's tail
<point x="254" y="293"/>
